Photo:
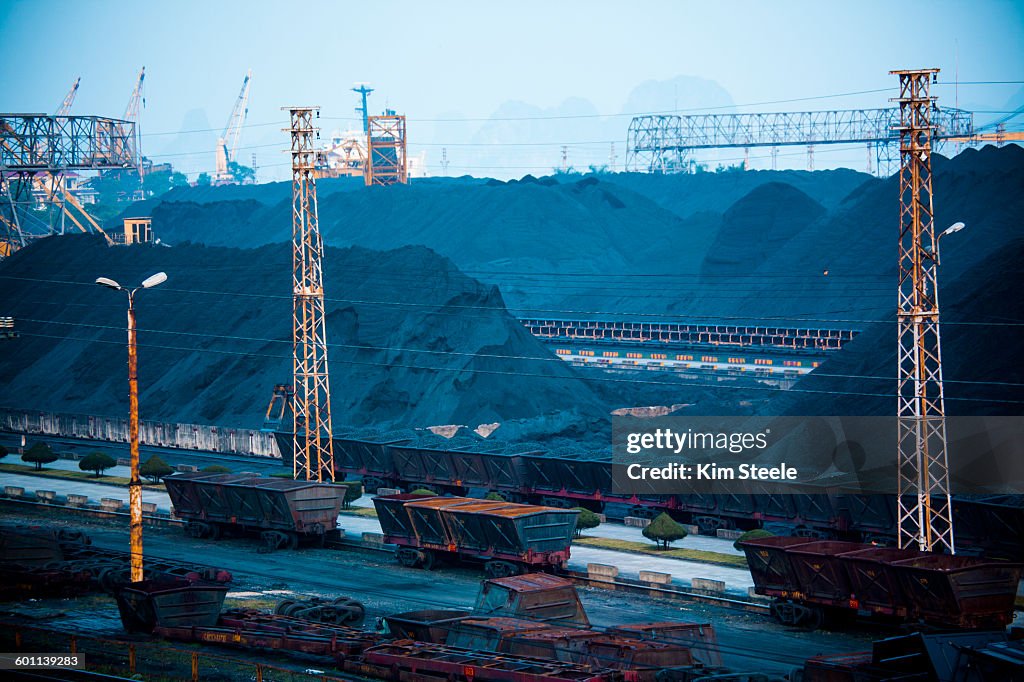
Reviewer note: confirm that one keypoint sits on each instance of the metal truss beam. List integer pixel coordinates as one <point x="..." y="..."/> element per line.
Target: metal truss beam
<point x="385" y="149"/>
<point x="37" y="142"/>
<point x="925" y="509"/>
<point x="665" y="143"/>
<point x="311" y="407"/>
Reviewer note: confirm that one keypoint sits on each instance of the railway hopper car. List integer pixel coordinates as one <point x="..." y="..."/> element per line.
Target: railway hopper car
<point x="508" y="538"/>
<point x="282" y="512"/>
<point x="811" y="581"/>
<point x="527" y="473"/>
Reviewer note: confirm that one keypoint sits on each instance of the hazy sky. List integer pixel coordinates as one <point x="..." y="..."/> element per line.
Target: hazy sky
<point x="435" y="60"/>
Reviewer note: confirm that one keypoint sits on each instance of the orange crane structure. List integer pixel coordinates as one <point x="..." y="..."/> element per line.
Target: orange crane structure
<point x="924" y="505"/>
<point x="313" y="448"/>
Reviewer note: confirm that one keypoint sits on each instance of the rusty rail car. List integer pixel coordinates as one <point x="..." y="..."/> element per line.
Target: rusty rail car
<point x="508" y="538"/>
<point x="283" y="512"/>
<point x="989" y="524"/>
<point x="811" y="582"/>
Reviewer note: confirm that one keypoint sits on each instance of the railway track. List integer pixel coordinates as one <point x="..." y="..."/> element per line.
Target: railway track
<point x="347" y="545"/>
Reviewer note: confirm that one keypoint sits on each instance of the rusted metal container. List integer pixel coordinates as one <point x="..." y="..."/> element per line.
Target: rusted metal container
<point x="509" y="538"/>
<point x="282" y="510"/>
<point x="554" y="643"/>
<point x="490" y="634"/>
<point x="537" y="534"/>
<point x="430" y="625"/>
<point x="771" y="566"/>
<point x="875" y="586"/>
<point x="169" y="602"/>
<point x="820" y="573"/>
<point x="394" y="519"/>
<point x="536" y="596"/>
<point x="960" y="591"/>
<point x="700" y="638"/>
<point x="428" y="523"/>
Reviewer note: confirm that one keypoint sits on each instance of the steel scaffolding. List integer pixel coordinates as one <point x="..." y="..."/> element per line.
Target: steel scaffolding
<point x="35" y="151"/>
<point x="665" y="143"/>
<point x="313" y="448"/>
<point x="925" y="509"/>
<point x="385" y="150"/>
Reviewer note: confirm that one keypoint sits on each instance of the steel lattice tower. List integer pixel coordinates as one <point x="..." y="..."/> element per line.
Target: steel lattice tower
<point x="312" y="446"/>
<point x="925" y="511"/>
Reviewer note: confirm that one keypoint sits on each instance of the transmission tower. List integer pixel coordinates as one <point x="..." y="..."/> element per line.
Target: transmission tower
<point x="925" y="511"/>
<point x="312" y="446"/>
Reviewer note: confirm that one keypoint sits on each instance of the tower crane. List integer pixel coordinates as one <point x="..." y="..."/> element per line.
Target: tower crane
<point x="227" y="144"/>
<point x="65" y="107"/>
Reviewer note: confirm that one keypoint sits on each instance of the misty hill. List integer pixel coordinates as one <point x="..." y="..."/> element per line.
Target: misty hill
<point x="425" y="345"/>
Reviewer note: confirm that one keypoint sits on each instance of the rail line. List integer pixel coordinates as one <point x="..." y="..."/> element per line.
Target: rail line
<point x="347" y="544"/>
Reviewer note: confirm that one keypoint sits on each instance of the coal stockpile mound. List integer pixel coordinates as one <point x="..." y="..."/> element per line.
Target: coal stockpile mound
<point x="689" y="194"/>
<point x="982" y="314"/>
<point x="420" y="345"/>
<point x="757" y="226"/>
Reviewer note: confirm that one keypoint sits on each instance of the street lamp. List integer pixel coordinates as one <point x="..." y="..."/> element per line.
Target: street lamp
<point x="955" y="227"/>
<point x="134" y="485"/>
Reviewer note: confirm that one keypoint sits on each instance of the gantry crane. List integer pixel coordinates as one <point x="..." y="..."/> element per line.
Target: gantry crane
<point x="227" y="144"/>
<point x="65" y="107"/>
<point x="34" y="143"/>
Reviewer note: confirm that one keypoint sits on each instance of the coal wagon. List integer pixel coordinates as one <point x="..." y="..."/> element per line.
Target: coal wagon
<point x="282" y="512"/>
<point x="508" y="538"/>
<point x="814" y="581"/>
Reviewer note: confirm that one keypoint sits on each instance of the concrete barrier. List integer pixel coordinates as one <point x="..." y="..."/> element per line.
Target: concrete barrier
<point x="123" y="462"/>
<point x="603" y="518"/>
<point x="111" y="504"/>
<point x="636" y="521"/>
<point x="13" y="491"/>
<point x="376" y="539"/>
<point x="78" y="500"/>
<point x="149" y="507"/>
<point x="706" y="586"/>
<point x="387" y="491"/>
<point x="728" y="534"/>
<point x="655" y="577"/>
<point x="602" y="572"/>
<point x="46" y="495"/>
<point x="186" y="468"/>
<point x="752" y="595"/>
<point x="691" y="528"/>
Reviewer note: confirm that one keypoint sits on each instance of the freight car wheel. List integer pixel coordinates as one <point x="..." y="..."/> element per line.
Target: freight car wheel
<point x="427" y="562"/>
<point x="350" y="611"/>
<point x="797" y="615"/>
<point x="407" y="557"/>
<point x="502" y="569"/>
<point x="293" y="540"/>
<point x="282" y="607"/>
<point x="273" y="540"/>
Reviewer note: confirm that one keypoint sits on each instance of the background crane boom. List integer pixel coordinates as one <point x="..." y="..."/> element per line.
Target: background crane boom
<point x="227" y="144"/>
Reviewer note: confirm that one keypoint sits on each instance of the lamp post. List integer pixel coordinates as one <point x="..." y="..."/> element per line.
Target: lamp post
<point x="134" y="485"/>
